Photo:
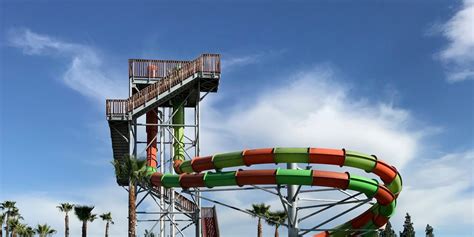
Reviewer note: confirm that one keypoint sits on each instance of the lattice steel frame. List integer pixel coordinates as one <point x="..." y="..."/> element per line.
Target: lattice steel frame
<point x="165" y="139"/>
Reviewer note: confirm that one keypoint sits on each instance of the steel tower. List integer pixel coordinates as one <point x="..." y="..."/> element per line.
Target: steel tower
<point x="160" y="121"/>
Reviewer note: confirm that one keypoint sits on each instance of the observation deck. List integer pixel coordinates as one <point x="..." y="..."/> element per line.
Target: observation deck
<point x="157" y="82"/>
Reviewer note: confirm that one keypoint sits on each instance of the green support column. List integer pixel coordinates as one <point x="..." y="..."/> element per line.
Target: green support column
<point x="178" y="119"/>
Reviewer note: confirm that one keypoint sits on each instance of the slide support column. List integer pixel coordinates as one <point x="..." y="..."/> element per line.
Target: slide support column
<point x="178" y="149"/>
<point x="162" y="170"/>
<point x="291" y="192"/>
<point x="178" y="141"/>
<point x="151" y="132"/>
<point x="197" y="122"/>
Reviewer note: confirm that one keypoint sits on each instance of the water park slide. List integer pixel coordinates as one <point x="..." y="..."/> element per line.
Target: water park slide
<point x="172" y="90"/>
<point x="191" y="174"/>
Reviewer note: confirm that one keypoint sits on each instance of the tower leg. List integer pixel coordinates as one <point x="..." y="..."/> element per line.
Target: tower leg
<point x="197" y="153"/>
<point x="171" y="190"/>
<point x="162" y="170"/>
<point x="292" y="218"/>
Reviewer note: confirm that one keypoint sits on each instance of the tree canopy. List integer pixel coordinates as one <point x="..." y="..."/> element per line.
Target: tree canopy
<point x="408" y="230"/>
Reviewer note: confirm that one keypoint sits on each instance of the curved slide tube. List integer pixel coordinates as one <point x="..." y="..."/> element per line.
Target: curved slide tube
<point x="190" y="175"/>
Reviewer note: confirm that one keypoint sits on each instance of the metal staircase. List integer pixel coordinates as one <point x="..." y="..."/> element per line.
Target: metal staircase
<point x="204" y="70"/>
<point x="119" y="132"/>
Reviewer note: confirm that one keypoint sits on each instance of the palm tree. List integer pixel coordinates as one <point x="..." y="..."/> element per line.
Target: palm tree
<point x="24" y="230"/>
<point x="84" y="214"/>
<point x="13" y="226"/>
<point x="15" y="214"/>
<point x="66" y="208"/>
<point x="107" y="217"/>
<point x="9" y="205"/>
<point x="30" y="232"/>
<point x="2" y="219"/>
<point x="44" y="230"/>
<point x="13" y="221"/>
<point x="19" y="228"/>
<point x="133" y="170"/>
<point x="259" y="211"/>
<point x="276" y="219"/>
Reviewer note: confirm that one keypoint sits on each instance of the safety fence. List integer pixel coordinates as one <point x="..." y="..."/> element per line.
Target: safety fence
<point x="176" y="72"/>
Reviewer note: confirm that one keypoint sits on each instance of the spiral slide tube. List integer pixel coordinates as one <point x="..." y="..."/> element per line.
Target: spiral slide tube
<point x="190" y="174"/>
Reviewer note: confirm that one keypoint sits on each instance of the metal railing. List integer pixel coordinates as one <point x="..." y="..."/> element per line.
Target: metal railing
<point x="206" y="63"/>
<point x="149" y="68"/>
<point x="116" y="107"/>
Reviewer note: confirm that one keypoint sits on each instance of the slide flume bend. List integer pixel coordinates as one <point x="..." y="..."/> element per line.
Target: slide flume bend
<point x="190" y="174"/>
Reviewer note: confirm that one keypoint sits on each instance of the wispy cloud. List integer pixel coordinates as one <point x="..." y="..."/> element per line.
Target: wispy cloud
<point x="313" y="108"/>
<point x="458" y="56"/>
<point x="85" y="73"/>
<point x="231" y="62"/>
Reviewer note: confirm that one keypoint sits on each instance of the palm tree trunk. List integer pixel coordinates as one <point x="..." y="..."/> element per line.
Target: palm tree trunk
<point x="66" y="225"/>
<point x="1" y="230"/>
<point x="276" y="231"/>
<point x="107" y="229"/>
<point x="7" y="230"/>
<point x="259" y="227"/>
<point x="84" y="228"/>
<point x="13" y="233"/>
<point x="131" y="209"/>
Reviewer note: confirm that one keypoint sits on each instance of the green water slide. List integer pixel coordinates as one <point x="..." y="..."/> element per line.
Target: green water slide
<point x="212" y="171"/>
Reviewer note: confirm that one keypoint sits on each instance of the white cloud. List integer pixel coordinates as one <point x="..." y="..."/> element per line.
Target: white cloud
<point x="312" y="108"/>
<point x="231" y="62"/>
<point x="459" y="54"/>
<point x="86" y="72"/>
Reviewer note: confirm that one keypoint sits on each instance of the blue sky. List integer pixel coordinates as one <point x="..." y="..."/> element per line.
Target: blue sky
<point x="388" y="78"/>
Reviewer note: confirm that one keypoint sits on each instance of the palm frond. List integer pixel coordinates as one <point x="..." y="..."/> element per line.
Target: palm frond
<point x="65" y="207"/>
<point x="44" y="230"/>
<point x="84" y="213"/>
<point x="276" y="218"/>
<point x="107" y="217"/>
<point x="259" y="210"/>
